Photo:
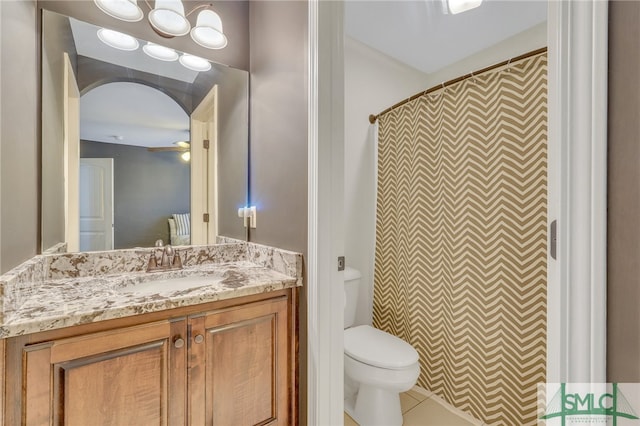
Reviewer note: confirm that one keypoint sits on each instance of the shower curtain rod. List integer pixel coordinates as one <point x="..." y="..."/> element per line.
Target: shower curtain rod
<point x="373" y="118"/>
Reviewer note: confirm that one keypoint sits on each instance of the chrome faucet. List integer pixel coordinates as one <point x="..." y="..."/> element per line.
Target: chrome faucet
<point x="164" y="258"/>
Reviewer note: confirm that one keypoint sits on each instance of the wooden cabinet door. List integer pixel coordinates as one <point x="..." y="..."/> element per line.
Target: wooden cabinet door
<point x="238" y="366"/>
<point x="129" y="376"/>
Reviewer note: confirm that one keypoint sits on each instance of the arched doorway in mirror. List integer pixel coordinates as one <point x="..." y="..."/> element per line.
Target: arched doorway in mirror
<point x="134" y="179"/>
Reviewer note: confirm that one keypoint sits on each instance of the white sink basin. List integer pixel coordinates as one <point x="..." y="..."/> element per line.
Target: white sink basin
<point x="167" y="285"/>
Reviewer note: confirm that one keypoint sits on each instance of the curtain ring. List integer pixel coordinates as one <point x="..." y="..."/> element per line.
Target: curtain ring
<point x="473" y="78"/>
<point x="509" y="65"/>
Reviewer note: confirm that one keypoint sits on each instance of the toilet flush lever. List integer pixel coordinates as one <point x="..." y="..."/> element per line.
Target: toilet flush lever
<point x="340" y="263"/>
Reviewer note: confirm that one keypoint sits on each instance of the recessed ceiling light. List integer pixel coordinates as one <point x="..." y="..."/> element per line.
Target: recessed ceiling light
<point x="159" y="52"/>
<point x="195" y="63"/>
<point x="126" y="10"/>
<point x="459" y="6"/>
<point x="117" y="40"/>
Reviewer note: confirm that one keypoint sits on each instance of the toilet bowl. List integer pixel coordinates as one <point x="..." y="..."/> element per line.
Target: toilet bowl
<point x="377" y="366"/>
<point x="382" y="366"/>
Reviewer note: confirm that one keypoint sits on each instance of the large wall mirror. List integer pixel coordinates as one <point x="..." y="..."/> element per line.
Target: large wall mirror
<point x="137" y="148"/>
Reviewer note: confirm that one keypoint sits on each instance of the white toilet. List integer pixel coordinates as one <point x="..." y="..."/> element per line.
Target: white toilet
<point x="377" y="366"/>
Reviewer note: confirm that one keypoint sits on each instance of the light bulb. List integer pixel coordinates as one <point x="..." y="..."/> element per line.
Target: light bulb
<point x="117" y="40"/>
<point x="195" y="63"/>
<point x="125" y="10"/>
<point x="159" y="52"/>
<point x="167" y="17"/>
<point x="208" y="30"/>
<point x="459" y="6"/>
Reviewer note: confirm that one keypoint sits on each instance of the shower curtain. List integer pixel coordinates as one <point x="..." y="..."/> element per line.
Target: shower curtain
<point x="460" y="260"/>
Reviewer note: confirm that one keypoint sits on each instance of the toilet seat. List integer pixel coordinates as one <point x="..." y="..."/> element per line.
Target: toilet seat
<point x="378" y="349"/>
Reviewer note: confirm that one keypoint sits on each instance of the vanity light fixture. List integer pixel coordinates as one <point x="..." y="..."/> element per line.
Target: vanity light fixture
<point x="168" y="19"/>
<point x="208" y="30"/>
<point x="117" y="40"/>
<point x="195" y="63"/>
<point x="159" y="52"/>
<point x="459" y="6"/>
<point x="125" y="10"/>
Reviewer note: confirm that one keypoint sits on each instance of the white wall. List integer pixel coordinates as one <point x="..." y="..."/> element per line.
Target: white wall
<point x="374" y="82"/>
<point x="526" y="41"/>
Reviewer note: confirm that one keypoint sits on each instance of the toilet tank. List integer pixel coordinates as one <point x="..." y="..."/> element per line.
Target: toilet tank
<point x="351" y="285"/>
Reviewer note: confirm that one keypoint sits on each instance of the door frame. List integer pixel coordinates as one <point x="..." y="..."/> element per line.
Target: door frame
<point x="325" y="292"/>
<point x="577" y="281"/>
<point x="576" y="310"/>
<point x="204" y="189"/>
<point x="71" y="155"/>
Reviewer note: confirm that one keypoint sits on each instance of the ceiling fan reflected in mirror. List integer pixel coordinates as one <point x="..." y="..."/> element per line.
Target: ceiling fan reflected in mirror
<point x="181" y="146"/>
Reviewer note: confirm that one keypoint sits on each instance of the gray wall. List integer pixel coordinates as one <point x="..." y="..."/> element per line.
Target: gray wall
<point x="278" y="139"/>
<point x="233" y="151"/>
<point x="148" y="188"/>
<point x="623" y="240"/>
<point x="278" y="130"/>
<point x="57" y="40"/>
<point x="234" y="15"/>
<point x="19" y="168"/>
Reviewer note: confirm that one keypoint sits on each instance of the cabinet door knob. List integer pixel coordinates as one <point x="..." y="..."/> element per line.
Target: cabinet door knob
<point x="199" y="338"/>
<point x="178" y="342"/>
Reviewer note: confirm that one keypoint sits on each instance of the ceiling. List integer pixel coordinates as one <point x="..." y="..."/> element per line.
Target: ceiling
<point x="132" y="114"/>
<point x="421" y="35"/>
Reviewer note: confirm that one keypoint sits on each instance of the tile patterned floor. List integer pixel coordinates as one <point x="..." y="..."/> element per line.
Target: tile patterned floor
<point x="419" y="409"/>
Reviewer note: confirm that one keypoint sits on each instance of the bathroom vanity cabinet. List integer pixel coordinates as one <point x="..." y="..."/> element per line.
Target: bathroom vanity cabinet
<point x="231" y="362"/>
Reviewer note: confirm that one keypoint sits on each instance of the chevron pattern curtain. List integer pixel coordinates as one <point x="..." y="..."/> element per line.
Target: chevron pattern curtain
<point x="460" y="261"/>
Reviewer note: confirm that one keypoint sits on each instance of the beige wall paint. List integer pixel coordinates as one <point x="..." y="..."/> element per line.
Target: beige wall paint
<point x="19" y="168"/>
<point x="373" y="81"/>
<point x="623" y="239"/>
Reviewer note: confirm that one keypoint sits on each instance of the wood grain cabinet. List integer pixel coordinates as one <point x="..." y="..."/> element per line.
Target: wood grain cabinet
<point x="231" y="365"/>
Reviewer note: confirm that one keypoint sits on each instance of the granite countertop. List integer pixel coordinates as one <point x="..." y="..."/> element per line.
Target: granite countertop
<point x="62" y="290"/>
